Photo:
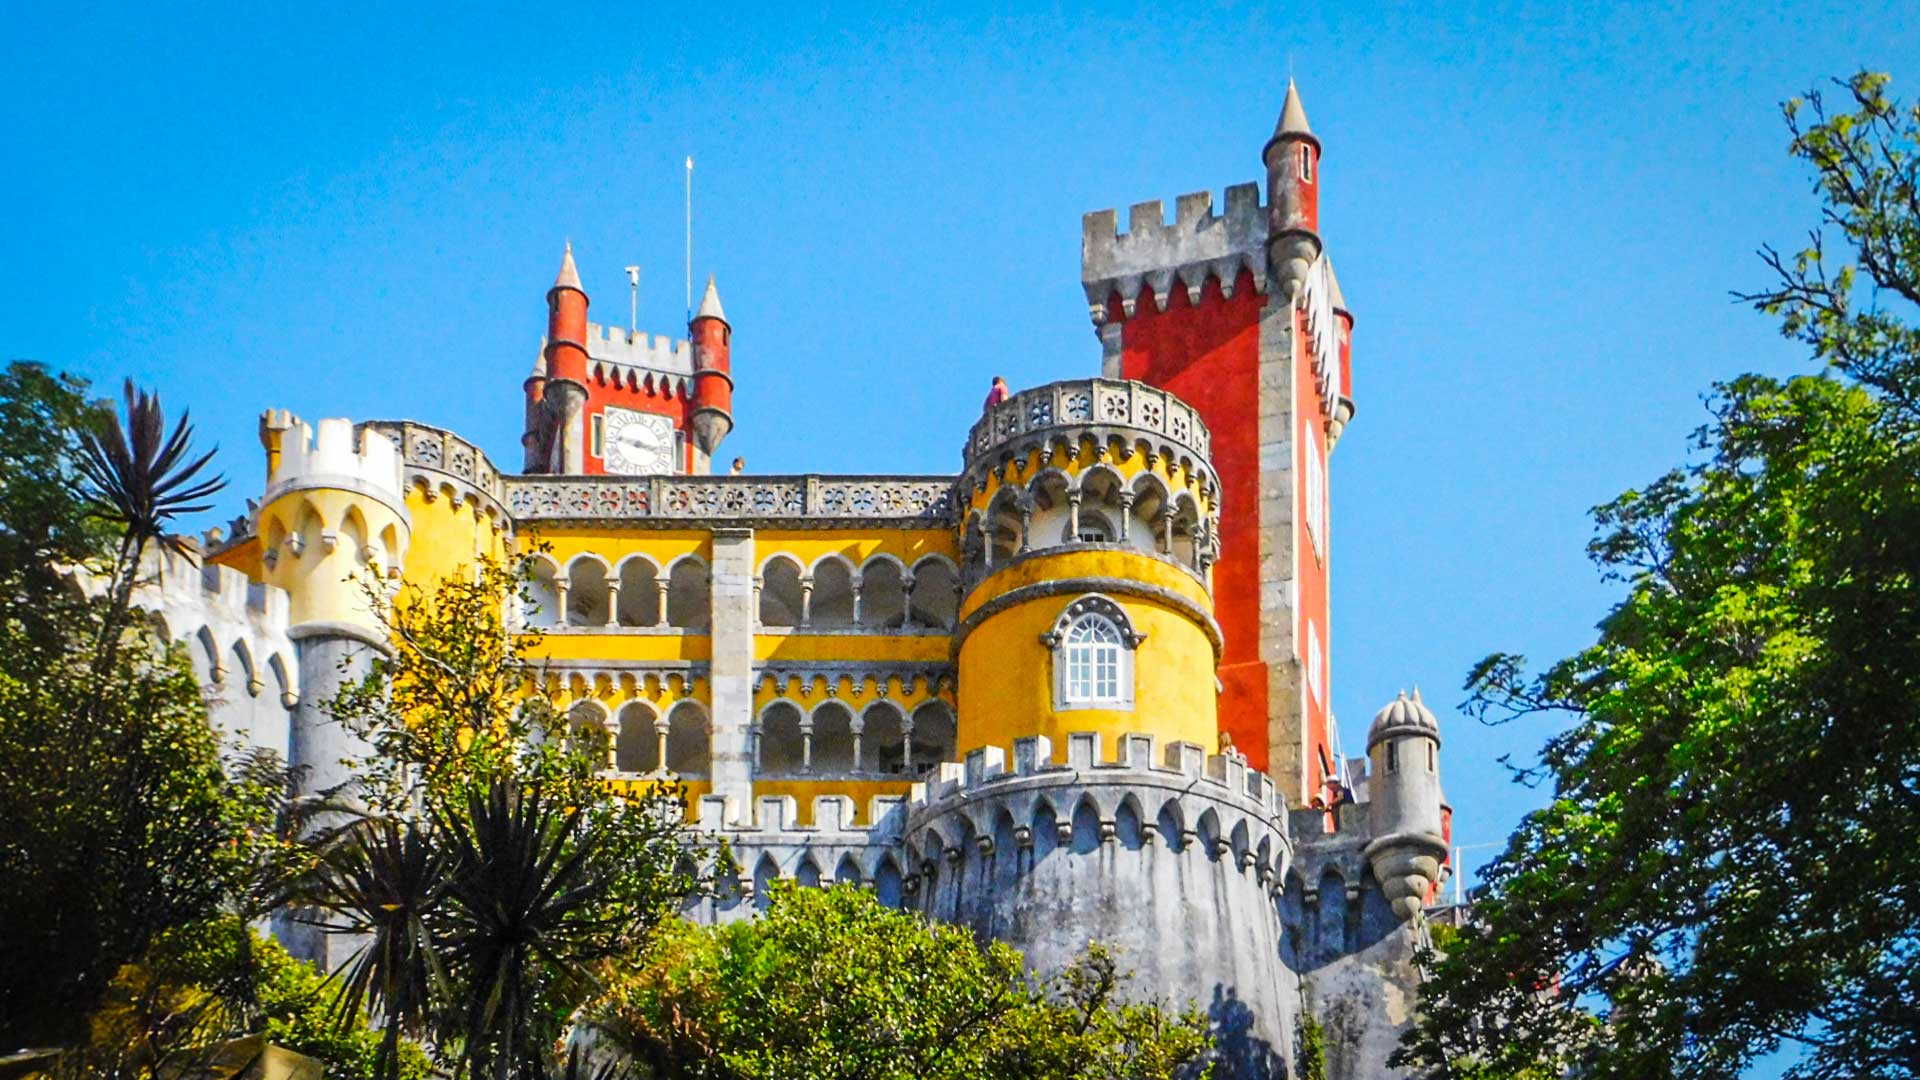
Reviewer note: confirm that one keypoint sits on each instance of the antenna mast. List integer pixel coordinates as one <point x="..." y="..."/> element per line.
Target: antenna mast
<point x="689" y="236"/>
<point x="633" y="316"/>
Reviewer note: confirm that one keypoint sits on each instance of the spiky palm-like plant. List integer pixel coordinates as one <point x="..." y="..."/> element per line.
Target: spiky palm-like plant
<point x="140" y="478"/>
<point x="385" y="881"/>
<point x="530" y="909"/>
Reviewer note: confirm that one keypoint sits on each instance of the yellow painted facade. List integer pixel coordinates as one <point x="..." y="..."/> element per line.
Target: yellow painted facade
<point x="1007" y="673"/>
<point x="325" y="546"/>
<point x="797" y="636"/>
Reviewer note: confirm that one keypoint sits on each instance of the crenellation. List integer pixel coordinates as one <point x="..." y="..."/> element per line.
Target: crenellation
<point x="1152" y="254"/>
<point x="638" y="350"/>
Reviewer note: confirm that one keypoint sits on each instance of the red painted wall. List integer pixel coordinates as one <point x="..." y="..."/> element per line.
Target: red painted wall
<point x="602" y="392"/>
<point x="1209" y="356"/>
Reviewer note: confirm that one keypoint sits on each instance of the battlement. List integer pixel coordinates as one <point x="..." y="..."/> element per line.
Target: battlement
<point x="776" y="820"/>
<point x="220" y="614"/>
<point x="1151" y="255"/>
<point x="618" y="347"/>
<point x="334" y="455"/>
<point x="1224" y="777"/>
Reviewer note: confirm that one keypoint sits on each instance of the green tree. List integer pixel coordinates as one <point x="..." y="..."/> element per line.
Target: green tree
<point x="117" y="819"/>
<point x="1731" y="858"/>
<point x="828" y="983"/>
<point x="493" y="874"/>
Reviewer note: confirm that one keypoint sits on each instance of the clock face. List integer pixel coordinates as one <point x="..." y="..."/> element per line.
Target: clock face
<point x="637" y="442"/>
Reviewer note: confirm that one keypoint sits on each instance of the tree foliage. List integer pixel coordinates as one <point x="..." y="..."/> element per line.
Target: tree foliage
<point x="117" y="818"/>
<point x="1731" y="858"/>
<point x="493" y="873"/>
<point x="828" y="983"/>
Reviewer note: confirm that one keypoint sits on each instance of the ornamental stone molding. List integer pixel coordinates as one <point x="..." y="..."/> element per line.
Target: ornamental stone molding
<point x="1104" y="410"/>
<point x="908" y="502"/>
<point x="438" y="461"/>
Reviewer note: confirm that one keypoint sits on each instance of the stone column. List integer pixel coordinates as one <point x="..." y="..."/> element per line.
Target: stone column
<point x="806" y="600"/>
<point x="906" y="598"/>
<point x="613" y="601"/>
<point x="321" y="750"/>
<point x="661" y="586"/>
<point x="731" y="672"/>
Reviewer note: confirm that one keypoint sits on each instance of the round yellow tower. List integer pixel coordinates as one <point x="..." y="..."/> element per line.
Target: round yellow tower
<point x="1088" y="538"/>
<point x="333" y="519"/>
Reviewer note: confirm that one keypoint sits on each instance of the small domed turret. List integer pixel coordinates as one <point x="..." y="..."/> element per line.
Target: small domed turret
<point x="1403" y="715"/>
<point x="1406" y="814"/>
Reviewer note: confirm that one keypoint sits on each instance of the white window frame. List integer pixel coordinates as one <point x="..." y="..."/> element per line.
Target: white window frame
<point x="1097" y="612"/>
<point x="597" y="435"/>
<point x="1315" y="488"/>
<point x="1306" y="164"/>
<point x="1316" y="662"/>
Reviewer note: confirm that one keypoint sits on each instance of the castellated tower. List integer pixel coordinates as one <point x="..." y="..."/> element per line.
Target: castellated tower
<point x="606" y="401"/>
<point x="332" y="521"/>
<point x="1239" y="314"/>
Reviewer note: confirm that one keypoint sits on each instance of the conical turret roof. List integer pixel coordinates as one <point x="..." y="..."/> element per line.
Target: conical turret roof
<point x="569" y="277"/>
<point x="1293" y="115"/>
<point x="710" y="303"/>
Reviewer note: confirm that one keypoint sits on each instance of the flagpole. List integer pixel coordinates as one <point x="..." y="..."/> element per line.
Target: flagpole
<point x="689" y="237"/>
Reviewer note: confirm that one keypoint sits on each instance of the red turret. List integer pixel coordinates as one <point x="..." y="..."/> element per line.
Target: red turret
<point x="565" y="389"/>
<point x="711" y="336"/>
<point x="567" y="324"/>
<point x="1293" y="168"/>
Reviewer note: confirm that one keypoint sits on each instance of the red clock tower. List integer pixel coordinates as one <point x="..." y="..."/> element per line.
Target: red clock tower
<point x="604" y="400"/>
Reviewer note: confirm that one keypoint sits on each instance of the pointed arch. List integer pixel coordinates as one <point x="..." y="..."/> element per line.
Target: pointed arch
<point x="883" y="593"/>
<point x="637" y="747"/>
<point x="831" y="604"/>
<point x="639" y="605"/>
<point x="765" y="873"/>
<point x="936" y="592"/>
<point x="688" y="594"/>
<point x="1127" y="829"/>
<point x="689" y="740"/>
<point x="780" y="599"/>
<point x="848" y="872"/>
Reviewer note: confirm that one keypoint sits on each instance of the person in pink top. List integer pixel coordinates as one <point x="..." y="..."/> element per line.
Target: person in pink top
<point x="998" y="394"/>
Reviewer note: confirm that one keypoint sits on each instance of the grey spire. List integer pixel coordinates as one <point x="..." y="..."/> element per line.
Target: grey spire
<point x="569" y="276"/>
<point x="1293" y="115"/>
<point x="710" y="303"/>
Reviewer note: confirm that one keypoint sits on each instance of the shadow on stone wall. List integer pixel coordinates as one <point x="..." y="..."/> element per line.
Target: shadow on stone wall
<point x="1239" y="1054"/>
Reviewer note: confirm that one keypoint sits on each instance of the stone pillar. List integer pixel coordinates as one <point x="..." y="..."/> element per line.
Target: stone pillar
<point x="906" y="599"/>
<point x="731" y="672"/>
<point x="321" y="751"/>
<point x="806" y="599"/>
<point x="1126" y="514"/>
<point x="613" y="601"/>
<point x="661" y="587"/>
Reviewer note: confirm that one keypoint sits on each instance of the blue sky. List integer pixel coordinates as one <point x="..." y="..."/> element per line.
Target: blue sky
<point x="1537" y="211"/>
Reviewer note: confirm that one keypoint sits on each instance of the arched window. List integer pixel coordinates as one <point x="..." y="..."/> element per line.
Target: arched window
<point x="1093" y="643"/>
<point x="1094" y="528"/>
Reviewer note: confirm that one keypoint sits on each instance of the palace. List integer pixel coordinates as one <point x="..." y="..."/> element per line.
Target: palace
<point x="1077" y="690"/>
